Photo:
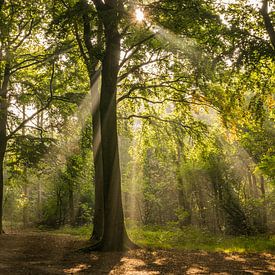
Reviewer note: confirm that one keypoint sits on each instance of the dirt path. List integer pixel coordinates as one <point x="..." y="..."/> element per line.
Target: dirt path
<point x="41" y="253"/>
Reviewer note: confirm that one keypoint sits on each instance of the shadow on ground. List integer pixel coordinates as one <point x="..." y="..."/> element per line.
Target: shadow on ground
<point x="41" y="253"/>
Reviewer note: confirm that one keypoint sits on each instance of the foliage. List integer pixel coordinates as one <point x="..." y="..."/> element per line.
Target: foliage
<point x="196" y="118"/>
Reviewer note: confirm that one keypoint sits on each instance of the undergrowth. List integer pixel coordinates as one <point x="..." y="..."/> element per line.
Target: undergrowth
<point x="188" y="238"/>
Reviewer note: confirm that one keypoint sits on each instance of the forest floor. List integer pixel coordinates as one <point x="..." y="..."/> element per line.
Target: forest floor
<point x="46" y="253"/>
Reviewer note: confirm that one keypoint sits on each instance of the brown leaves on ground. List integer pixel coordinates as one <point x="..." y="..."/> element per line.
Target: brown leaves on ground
<point x="42" y="253"/>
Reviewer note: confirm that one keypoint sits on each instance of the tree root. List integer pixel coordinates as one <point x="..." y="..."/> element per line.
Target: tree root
<point x="102" y="246"/>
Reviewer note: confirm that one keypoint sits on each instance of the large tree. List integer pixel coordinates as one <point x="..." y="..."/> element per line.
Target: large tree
<point x="114" y="236"/>
<point x="23" y="46"/>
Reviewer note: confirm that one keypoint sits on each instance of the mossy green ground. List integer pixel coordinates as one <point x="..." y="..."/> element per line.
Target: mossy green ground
<point x="188" y="238"/>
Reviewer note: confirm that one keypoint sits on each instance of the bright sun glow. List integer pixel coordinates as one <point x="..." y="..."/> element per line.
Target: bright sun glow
<point x="139" y="15"/>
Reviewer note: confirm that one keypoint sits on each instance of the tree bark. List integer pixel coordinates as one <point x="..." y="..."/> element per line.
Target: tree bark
<point x="91" y="62"/>
<point x="268" y="23"/>
<point x="71" y="204"/>
<point x="114" y="231"/>
<point x="114" y="237"/>
<point x="264" y="207"/>
<point x="98" y="166"/>
<point x="3" y="135"/>
<point x="25" y="180"/>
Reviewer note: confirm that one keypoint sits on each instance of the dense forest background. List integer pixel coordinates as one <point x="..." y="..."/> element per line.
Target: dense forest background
<point x="195" y="112"/>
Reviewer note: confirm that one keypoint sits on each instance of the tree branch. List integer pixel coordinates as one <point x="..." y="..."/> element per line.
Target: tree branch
<point x="136" y="48"/>
<point x="99" y="4"/>
<point x="150" y="118"/>
<point x="23" y="123"/>
<point x="44" y="58"/>
<point x="32" y="24"/>
<point x="268" y="23"/>
<point x="138" y="66"/>
<point x="80" y="46"/>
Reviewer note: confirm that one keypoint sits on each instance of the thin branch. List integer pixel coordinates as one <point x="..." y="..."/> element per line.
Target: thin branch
<point x="21" y="26"/>
<point x="22" y="124"/>
<point x="150" y="118"/>
<point x="147" y="87"/>
<point x="33" y="61"/>
<point x="158" y="101"/>
<point x="32" y="24"/>
<point x="51" y="80"/>
<point x="134" y="68"/>
<point x="136" y="48"/>
<point x="80" y="46"/>
<point x="48" y="103"/>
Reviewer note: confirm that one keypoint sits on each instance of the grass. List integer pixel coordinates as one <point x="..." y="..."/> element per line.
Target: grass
<point x="194" y="239"/>
<point x="188" y="238"/>
<point x="83" y="232"/>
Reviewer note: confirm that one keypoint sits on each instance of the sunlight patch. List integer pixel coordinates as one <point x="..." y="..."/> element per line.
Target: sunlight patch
<point x="236" y="258"/>
<point x="197" y="270"/>
<point x="161" y="261"/>
<point x="77" y="268"/>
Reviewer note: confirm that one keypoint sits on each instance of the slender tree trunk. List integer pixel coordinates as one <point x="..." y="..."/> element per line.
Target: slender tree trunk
<point x="1" y="193"/>
<point x="3" y="135"/>
<point x="182" y="194"/>
<point x="3" y="144"/>
<point x="26" y="198"/>
<point x="184" y="203"/>
<point x="25" y="179"/>
<point x="39" y="191"/>
<point x="71" y="205"/>
<point x="97" y="153"/>
<point x="263" y="195"/>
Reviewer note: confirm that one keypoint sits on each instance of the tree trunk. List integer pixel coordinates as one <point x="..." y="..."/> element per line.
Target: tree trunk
<point x="71" y="205"/>
<point x="114" y="236"/>
<point x="184" y="203"/>
<point x="39" y="189"/>
<point x="91" y="62"/>
<point x="264" y="207"/>
<point x="25" y="179"/>
<point x="114" y="230"/>
<point x="3" y="136"/>
<point x="97" y="153"/>
<point x="268" y="22"/>
<point x="1" y="191"/>
<point x="182" y="194"/>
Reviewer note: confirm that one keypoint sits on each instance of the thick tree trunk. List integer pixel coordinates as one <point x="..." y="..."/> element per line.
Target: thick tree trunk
<point x="114" y="237"/>
<point x="114" y="232"/>
<point x="91" y="62"/>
